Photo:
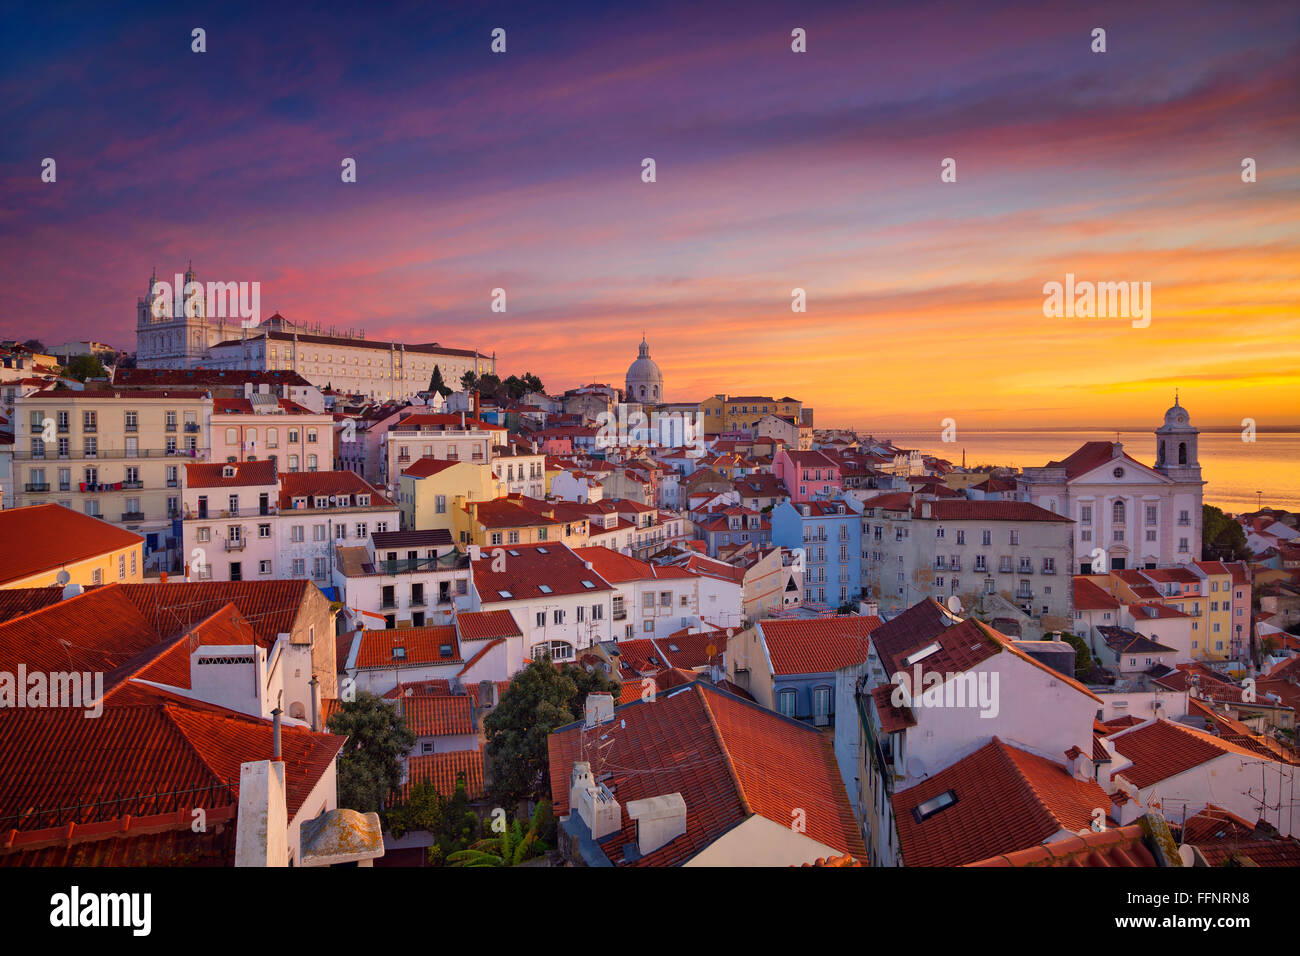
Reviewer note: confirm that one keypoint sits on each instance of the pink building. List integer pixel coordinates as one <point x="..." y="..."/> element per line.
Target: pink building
<point x="807" y="475"/>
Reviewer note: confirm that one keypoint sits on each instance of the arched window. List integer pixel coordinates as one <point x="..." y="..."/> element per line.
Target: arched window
<point x="1117" y="513"/>
<point x="1182" y="453"/>
<point x="785" y="702"/>
<point x="1160" y="455"/>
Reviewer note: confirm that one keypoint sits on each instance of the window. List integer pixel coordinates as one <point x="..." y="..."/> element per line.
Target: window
<point x="264" y="567"/>
<point x="557" y="616"/>
<point x="203" y="535"/>
<point x="785" y="702"/>
<point x="440" y="504"/>
<point x="1085" y="514"/>
<point x="1117" y="512"/>
<point x="986" y="538"/>
<point x="299" y="567"/>
<point x="318" y="532"/>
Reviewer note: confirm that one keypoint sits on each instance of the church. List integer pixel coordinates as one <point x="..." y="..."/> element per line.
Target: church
<point x="1127" y="514"/>
<point x="645" y="383"/>
<point x="348" y="362"/>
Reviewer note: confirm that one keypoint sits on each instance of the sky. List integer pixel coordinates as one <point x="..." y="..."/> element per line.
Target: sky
<point x="775" y="170"/>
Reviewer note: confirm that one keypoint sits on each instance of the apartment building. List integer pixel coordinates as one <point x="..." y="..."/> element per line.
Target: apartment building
<point x="422" y="435"/>
<point x="1009" y="560"/>
<point x="404" y="578"/>
<point x="112" y="453"/>
<point x="263" y="426"/>
<point x="826" y="538"/>
<point x="247" y="521"/>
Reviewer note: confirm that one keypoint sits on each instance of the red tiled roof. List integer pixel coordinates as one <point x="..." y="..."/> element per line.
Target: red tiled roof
<point x="270" y="607"/>
<point x="1007" y="799"/>
<point x="486" y="625"/>
<point x="1089" y="596"/>
<point x="155" y="744"/>
<point x="430" y="466"/>
<point x="422" y="645"/>
<point x="529" y="568"/>
<point x="962" y="509"/>
<point x="297" y="484"/>
<point x="243" y="473"/>
<point x="53" y="536"/>
<point x="729" y="759"/>
<point x="1118" y="847"/>
<point x="442" y="770"/>
<point x="1092" y="455"/>
<point x="817" y="645"/>
<point x="1161" y="749"/>
<point x="438" y="716"/>
<point x="892" y="718"/>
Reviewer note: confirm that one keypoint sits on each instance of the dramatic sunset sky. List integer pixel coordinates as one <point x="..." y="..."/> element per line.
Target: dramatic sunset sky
<point x="775" y="170"/>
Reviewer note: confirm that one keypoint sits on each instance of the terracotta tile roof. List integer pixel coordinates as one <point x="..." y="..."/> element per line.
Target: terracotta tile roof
<point x="443" y="770"/>
<point x="1118" y="847"/>
<point x="156" y="743"/>
<point x="486" y="625"/>
<point x="243" y="474"/>
<point x="426" y="467"/>
<point x="729" y="759"/>
<point x="270" y="607"/>
<point x="1007" y="799"/>
<point x="438" y="687"/>
<point x="892" y="718"/>
<point x="962" y="509"/>
<point x="53" y="536"/>
<point x="418" y="645"/>
<point x="16" y="601"/>
<point x="438" y="716"/>
<point x="1089" y="596"/>
<point x="172" y="666"/>
<point x="817" y="645"/>
<point x="1092" y="455"/>
<point x="1283" y="851"/>
<point x="1161" y="749"/>
<point x="529" y="568"/>
<point x="296" y="484"/>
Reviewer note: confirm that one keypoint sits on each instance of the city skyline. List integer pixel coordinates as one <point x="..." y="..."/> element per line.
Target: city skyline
<point x="775" y="171"/>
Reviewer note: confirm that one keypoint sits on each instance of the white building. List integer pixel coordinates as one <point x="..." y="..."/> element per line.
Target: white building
<point x="561" y="603"/>
<point x="1127" y="514"/>
<point x="404" y="578"/>
<point x="247" y="521"/>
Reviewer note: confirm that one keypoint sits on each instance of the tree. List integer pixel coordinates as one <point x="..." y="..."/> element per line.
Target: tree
<point x="1222" y="538"/>
<point x="517" y="386"/>
<point x="436" y="384"/>
<point x="421" y="811"/>
<point x="370" y="764"/>
<point x="539" y="699"/>
<point x="36" y="345"/>
<point x="1082" y="654"/>
<point x="469" y="381"/>
<point x="512" y="846"/>
<point x="82" y="367"/>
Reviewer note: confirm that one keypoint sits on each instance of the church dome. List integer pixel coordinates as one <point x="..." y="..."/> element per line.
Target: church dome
<point x="1176" y="416"/>
<point x="645" y="383"/>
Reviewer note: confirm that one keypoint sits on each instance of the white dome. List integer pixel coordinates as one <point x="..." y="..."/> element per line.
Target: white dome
<point x="645" y="383"/>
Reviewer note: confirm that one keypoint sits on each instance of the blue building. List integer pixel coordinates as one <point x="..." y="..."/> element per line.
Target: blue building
<point x="830" y="534"/>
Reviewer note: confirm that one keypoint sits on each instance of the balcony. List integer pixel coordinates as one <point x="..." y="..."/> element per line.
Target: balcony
<point x="132" y="515"/>
<point x="236" y="544"/>
<point x="192" y="427"/>
<point x="133" y="485"/>
<point x="114" y="453"/>
<point x="417" y="601"/>
<point x="388" y="604"/>
<point x="37" y="486"/>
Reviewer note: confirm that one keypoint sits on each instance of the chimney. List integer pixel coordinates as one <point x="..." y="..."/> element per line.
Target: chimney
<point x="248" y="389"/>
<point x="1080" y="763"/>
<point x="1116" y="449"/>
<point x="261" y="828"/>
<point x="315" y="702"/>
<point x="70" y="590"/>
<point x="164" y="577"/>
<point x="659" y="820"/>
<point x="600" y="709"/>
<point x="593" y="802"/>
<point x="1124" y="808"/>
<point x="925" y="509"/>
<point x="474" y="552"/>
<point x="275" y="734"/>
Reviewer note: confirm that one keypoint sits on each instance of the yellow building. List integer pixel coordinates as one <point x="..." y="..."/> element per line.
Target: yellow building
<point x="743" y="412"/>
<point x="111" y="453"/>
<point x="43" y="540"/>
<point x="433" y="492"/>
<point x="516" y="519"/>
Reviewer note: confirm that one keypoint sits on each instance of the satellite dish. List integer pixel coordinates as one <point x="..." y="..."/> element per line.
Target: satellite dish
<point x="1187" y="855"/>
<point x="63" y="578"/>
<point x="954" y="604"/>
<point x="915" y="767"/>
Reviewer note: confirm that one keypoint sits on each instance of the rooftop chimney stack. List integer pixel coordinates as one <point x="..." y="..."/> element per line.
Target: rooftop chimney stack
<point x="275" y="734"/>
